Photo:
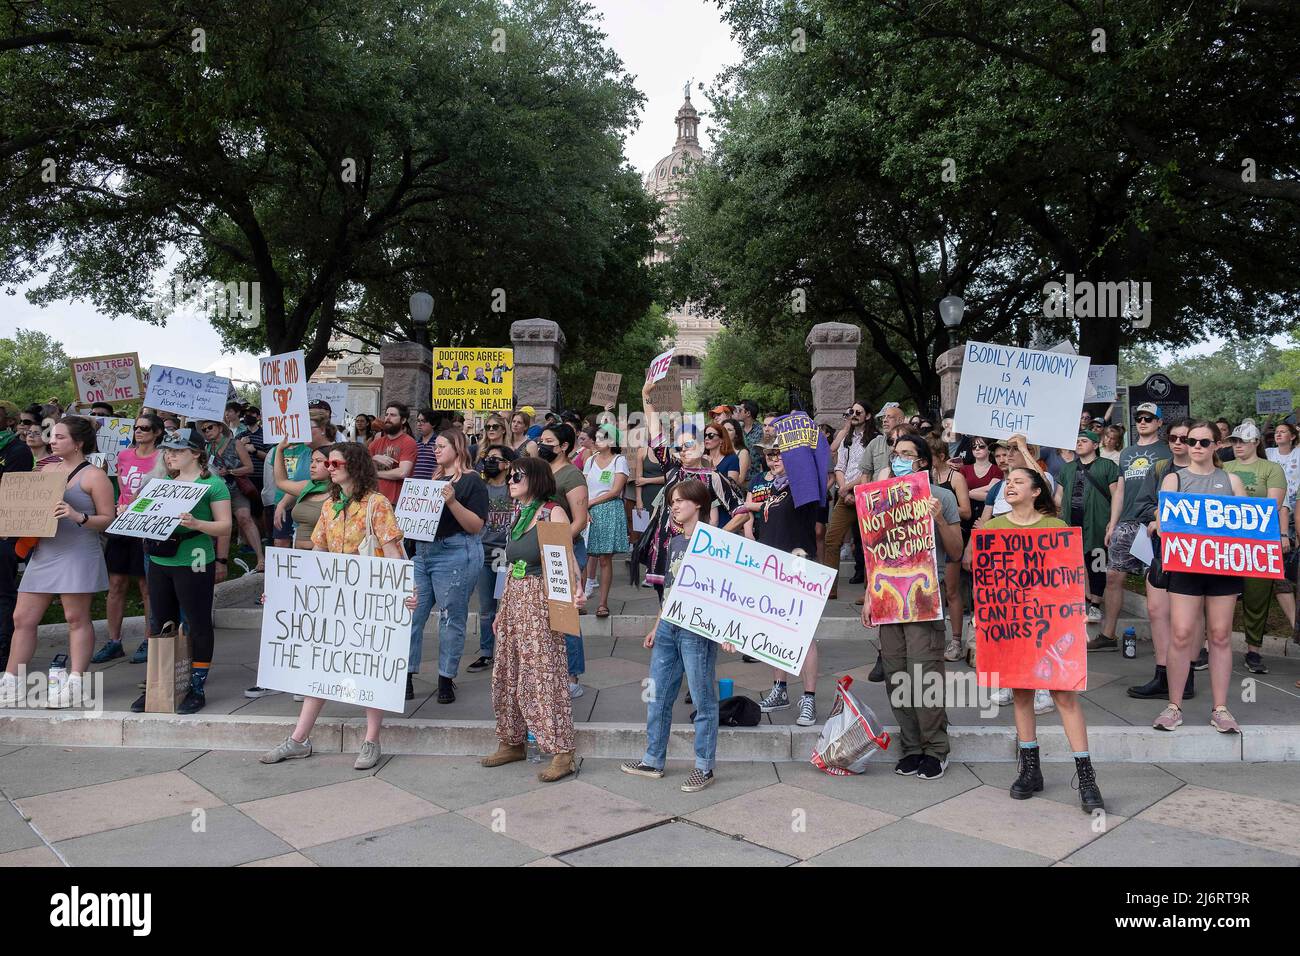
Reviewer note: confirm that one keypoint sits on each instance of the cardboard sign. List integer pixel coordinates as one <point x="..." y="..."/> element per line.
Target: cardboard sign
<point x="1273" y="401"/>
<point x="604" y="390"/>
<point x="1101" y="383"/>
<point x="196" y="395"/>
<point x="666" y="396"/>
<point x="156" y="511"/>
<point x="111" y="437"/>
<point x="556" y="541"/>
<point x="1220" y="534"/>
<point x="1031" y="616"/>
<point x="474" y="380"/>
<point x="335" y="394"/>
<point x="27" y="502"/>
<point x="898" y="544"/>
<point x="284" y="398"/>
<point x="336" y="626"/>
<point x="1006" y="391"/>
<point x="764" y="601"/>
<point x="107" y="378"/>
<point x="419" y="508"/>
<point x="660" y="366"/>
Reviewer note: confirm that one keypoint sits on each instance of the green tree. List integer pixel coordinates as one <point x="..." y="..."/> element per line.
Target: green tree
<point x="340" y="155"/>
<point x="34" y="368"/>
<point x="1222" y="383"/>
<point x="629" y="354"/>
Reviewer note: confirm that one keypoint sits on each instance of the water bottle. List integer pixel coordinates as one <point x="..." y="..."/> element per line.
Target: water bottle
<point x="1130" y="643"/>
<point x="534" y="752"/>
<point x="57" y="675"/>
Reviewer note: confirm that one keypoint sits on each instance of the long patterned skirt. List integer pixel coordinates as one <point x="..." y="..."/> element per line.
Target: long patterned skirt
<point x="530" y="671"/>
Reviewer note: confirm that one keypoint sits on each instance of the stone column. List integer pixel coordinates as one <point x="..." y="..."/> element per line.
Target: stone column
<point x="833" y="353"/>
<point x="539" y="347"/>
<point x="408" y="375"/>
<point x="948" y="368"/>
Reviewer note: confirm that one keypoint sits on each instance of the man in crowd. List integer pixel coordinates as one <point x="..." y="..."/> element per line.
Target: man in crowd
<point x="1084" y="490"/>
<point x="395" y="451"/>
<point x="747" y="415"/>
<point x="876" y="456"/>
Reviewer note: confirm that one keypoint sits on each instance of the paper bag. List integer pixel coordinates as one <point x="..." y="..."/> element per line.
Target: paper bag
<point x="167" y="677"/>
<point x="556" y="544"/>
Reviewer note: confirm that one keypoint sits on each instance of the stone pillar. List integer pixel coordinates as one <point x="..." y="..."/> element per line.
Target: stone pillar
<point x="833" y="353"/>
<point x="408" y="375"/>
<point x="539" y="347"/>
<point x="948" y="368"/>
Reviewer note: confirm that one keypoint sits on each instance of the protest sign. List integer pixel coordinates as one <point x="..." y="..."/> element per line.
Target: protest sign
<point x="898" y="544"/>
<point x="335" y="395"/>
<point x="1220" y="534"/>
<point x="156" y="511"/>
<point x="666" y="396"/>
<point x="107" y="378"/>
<point x="1006" y="391"/>
<point x="336" y="626"/>
<point x="474" y="380"/>
<point x="660" y="366"/>
<point x="1031" y="616"/>
<point x="27" y="502"/>
<point x="1273" y="401"/>
<point x="556" y="542"/>
<point x="806" y="456"/>
<point x="196" y="395"/>
<point x="765" y="602"/>
<point x="284" y="398"/>
<point x="419" y="508"/>
<point x="604" y="390"/>
<point x="112" y="436"/>
<point x="1101" y="383"/>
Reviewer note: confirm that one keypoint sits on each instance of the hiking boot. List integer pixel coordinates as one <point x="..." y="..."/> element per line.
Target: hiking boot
<point x="1157" y="688"/>
<point x="368" y="757"/>
<point x="1103" y="643"/>
<point x="287" y="749"/>
<point x="141" y="653"/>
<point x="697" y="781"/>
<point x="777" y="699"/>
<point x="1171" y="718"/>
<point x="446" y="690"/>
<point x="482" y="664"/>
<point x="505" y="753"/>
<point x="110" y="651"/>
<point x="639" y="769"/>
<point x="1089" y="793"/>
<point x="562" y="765"/>
<point x="1255" y="664"/>
<point x="1030" y="780"/>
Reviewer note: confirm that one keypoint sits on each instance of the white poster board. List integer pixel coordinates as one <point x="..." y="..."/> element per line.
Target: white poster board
<point x="1101" y="383"/>
<point x="284" y="398"/>
<point x="112" y="436"/>
<point x="419" y="508"/>
<point x="107" y="378"/>
<point x="1006" y="391"/>
<point x="156" y="511"/>
<point x="336" y="626"/>
<point x="659" y="367"/>
<point x="765" y="602"/>
<point x="1273" y="401"/>
<point x="333" y="393"/>
<point x="196" y="395"/>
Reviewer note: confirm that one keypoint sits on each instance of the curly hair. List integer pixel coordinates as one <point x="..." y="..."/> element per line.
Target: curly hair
<point x="360" y="466"/>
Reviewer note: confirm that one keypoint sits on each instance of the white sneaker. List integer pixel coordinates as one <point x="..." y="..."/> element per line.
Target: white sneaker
<point x="591" y="587"/>
<point x="1001" y="696"/>
<point x="575" y="690"/>
<point x="69" y="693"/>
<point x="953" y="651"/>
<point x="1043" y="702"/>
<point x="1094" y="613"/>
<point x="10" y="691"/>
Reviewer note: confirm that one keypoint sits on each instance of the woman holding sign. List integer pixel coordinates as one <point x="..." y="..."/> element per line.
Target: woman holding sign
<point x="1029" y="496"/>
<point x="70" y="564"/>
<point x="355" y="511"/>
<point x="1196" y="597"/>
<point x="530" y="689"/>
<point x="233" y="462"/>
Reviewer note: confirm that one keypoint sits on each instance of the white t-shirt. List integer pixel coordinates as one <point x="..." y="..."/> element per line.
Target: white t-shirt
<point x="601" y="480"/>
<point x="1291" y="469"/>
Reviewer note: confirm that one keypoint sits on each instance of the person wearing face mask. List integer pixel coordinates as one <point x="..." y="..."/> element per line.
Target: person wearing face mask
<point x="682" y="462"/>
<point x="876" y="457"/>
<point x="494" y="466"/>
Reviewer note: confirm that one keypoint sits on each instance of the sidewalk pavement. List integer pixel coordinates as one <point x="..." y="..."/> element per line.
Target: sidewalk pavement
<point x="128" y="807"/>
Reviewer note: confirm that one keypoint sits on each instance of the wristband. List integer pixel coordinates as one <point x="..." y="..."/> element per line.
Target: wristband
<point x="84" y="518"/>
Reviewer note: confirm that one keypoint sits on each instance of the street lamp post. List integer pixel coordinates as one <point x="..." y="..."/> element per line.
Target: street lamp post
<point x="951" y="309"/>
<point x="421" y="311"/>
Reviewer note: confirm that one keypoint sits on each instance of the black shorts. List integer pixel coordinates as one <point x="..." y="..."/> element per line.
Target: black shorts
<point x="1203" y="585"/>
<point x="124" y="555"/>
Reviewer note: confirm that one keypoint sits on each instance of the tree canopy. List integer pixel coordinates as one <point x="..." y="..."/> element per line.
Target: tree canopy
<point x="34" y="369"/>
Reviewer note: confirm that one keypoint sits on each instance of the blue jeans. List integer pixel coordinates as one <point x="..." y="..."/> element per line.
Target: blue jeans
<point x="573" y="642"/>
<point x="445" y="573"/>
<point x="677" y="651"/>
<point x="487" y="608"/>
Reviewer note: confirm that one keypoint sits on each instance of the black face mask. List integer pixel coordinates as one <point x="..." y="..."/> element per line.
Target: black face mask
<point x="491" y="469"/>
<point x="547" y="452"/>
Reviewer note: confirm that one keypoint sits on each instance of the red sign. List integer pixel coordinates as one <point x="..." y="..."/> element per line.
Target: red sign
<point x="898" y="544"/>
<point x="1031" y="615"/>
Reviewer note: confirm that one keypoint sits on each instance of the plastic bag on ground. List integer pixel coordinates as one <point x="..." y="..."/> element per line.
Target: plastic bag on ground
<point x="851" y="736"/>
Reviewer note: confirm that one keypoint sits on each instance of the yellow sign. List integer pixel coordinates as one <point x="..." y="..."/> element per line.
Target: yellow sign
<point x="478" y="380"/>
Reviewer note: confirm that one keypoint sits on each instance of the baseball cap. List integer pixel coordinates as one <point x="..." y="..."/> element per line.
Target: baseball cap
<point x="1151" y="408"/>
<point x="720" y="409"/>
<point x="1091" y="436"/>
<point x="1246" y="431"/>
<point x="527" y="410"/>
<point x="184" y="438"/>
<point x="319" y="403"/>
<point x="886" y="407"/>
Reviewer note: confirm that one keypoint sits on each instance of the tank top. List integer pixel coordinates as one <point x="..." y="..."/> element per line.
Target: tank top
<point x="305" y="516"/>
<point x="527" y="549"/>
<point x="1215" y="483"/>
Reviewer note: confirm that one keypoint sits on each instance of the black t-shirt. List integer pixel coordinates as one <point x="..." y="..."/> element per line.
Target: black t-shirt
<point x="1076" y="493"/>
<point x="779" y="524"/>
<point x="472" y="493"/>
<point x="16" y="456"/>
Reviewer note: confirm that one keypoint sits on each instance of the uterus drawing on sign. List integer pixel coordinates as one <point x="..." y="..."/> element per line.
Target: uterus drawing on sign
<point x="1055" y="657"/>
<point x="904" y="587"/>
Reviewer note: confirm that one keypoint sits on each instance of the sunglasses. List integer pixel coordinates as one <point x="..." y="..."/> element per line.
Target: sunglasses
<point x="980" y="447"/>
<point x="516" y="477"/>
<point x="1201" y="442"/>
<point x="496" y="428"/>
<point x="773" y="454"/>
<point x="1144" y="419"/>
<point x="689" y="443"/>
<point x="334" y="465"/>
<point x="710" y="434"/>
<point x="1177" y="439"/>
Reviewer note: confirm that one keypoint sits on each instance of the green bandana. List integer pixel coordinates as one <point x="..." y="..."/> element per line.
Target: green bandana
<point x="6" y="437"/>
<point x="341" y="505"/>
<point x="525" y="519"/>
<point x="314" y="488"/>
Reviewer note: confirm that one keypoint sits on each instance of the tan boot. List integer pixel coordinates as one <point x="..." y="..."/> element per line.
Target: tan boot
<point x="561" y="766"/>
<point x="505" y="754"/>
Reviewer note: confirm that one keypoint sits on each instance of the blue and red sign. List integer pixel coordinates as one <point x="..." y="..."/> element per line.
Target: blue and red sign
<point x="1219" y="534"/>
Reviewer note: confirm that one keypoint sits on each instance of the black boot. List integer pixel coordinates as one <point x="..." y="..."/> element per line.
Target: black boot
<point x="877" y="675"/>
<point x="1157" y="688"/>
<point x="1089" y="792"/>
<point x="1189" y="689"/>
<point x="446" y="690"/>
<point x="1030" y="780"/>
<point x="410" y="688"/>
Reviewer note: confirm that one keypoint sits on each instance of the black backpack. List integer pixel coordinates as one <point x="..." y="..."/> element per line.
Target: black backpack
<point x="737" y="712"/>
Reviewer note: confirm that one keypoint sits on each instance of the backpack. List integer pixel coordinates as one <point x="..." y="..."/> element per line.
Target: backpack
<point x="738" y="711"/>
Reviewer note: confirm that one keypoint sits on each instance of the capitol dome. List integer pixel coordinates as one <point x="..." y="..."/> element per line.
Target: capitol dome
<point x="670" y="170"/>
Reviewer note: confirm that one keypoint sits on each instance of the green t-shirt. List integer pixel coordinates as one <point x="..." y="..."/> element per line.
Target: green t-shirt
<point x="1260" y="477"/>
<point x="187" y="555"/>
<point x="1004" y="522"/>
